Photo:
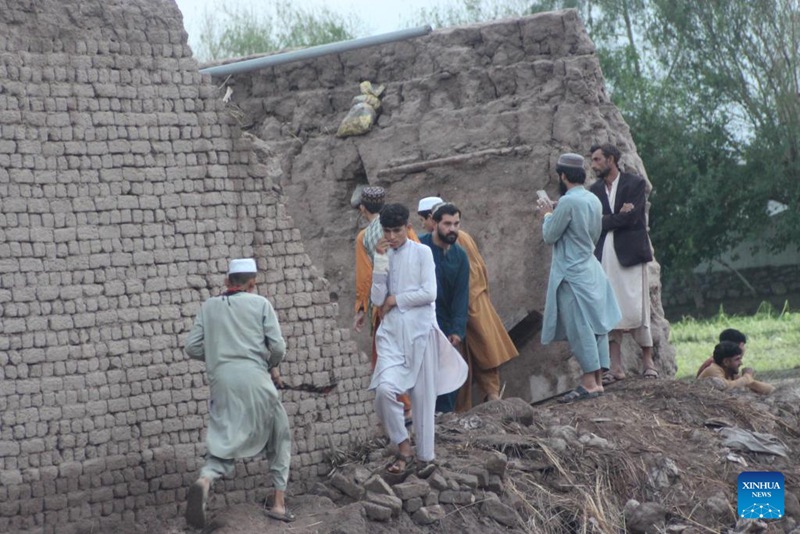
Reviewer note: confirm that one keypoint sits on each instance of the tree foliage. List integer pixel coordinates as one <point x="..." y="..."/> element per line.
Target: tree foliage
<point x="238" y="31"/>
<point x="461" y="12"/>
<point x="711" y="93"/>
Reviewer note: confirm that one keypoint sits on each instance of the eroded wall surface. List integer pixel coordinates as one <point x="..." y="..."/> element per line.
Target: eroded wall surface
<point x="476" y="114"/>
<point x="124" y="190"/>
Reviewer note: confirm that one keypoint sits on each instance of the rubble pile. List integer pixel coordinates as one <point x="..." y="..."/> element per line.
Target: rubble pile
<point x="646" y="457"/>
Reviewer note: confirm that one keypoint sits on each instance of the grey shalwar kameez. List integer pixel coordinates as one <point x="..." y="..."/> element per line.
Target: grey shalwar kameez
<point x="239" y="338"/>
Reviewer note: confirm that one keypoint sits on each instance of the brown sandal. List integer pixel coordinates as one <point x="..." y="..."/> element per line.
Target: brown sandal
<point x="650" y="374"/>
<point x="394" y="467"/>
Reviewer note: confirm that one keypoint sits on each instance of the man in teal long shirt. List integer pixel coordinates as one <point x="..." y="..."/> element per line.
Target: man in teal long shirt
<point x="581" y="306"/>
<point x="452" y="283"/>
<point x="239" y="338"/>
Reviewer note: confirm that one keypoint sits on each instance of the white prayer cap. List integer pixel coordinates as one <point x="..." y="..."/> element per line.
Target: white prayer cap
<point x="244" y="265"/>
<point x="427" y="203"/>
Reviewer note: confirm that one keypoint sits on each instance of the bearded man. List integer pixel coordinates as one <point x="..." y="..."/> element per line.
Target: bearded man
<point x="624" y="251"/>
<point x="452" y="283"/>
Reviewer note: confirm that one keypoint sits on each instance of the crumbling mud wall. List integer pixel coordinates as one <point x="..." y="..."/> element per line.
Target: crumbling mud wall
<point x="477" y="114"/>
<point x="124" y="190"/>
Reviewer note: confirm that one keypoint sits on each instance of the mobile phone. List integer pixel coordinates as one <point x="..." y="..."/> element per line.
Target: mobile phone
<point x="542" y="194"/>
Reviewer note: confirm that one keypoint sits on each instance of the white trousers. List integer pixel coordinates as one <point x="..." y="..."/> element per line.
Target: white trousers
<point x="423" y="403"/>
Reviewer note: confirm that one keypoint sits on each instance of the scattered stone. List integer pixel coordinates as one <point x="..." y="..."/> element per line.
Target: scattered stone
<point x="677" y="528"/>
<point x="665" y="474"/>
<point x="411" y="489"/>
<point x="464" y="479"/>
<point x="565" y="432"/>
<point x="630" y="506"/>
<point x="481" y="474"/>
<point x="453" y="485"/>
<point x="389" y="501"/>
<point x="376" y="484"/>
<point x="592" y="440"/>
<point x="718" y="504"/>
<point x="556" y="444"/>
<point x="324" y="491"/>
<point x="496" y="464"/>
<point x="503" y="514"/>
<point x="348" y="486"/>
<point x="429" y="514"/>
<point x="376" y="512"/>
<point x="514" y="501"/>
<point x="360" y="475"/>
<point x="647" y="518"/>
<point x="432" y="498"/>
<point x="437" y="482"/>
<point x="749" y="526"/>
<point x="495" y="484"/>
<point x="489" y="496"/>
<point x="456" y="497"/>
<point x="792" y="505"/>
<point x="395" y="478"/>
<point x="413" y="504"/>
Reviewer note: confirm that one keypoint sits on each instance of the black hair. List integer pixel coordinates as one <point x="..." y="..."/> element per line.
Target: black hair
<point x="726" y="349"/>
<point x="609" y="151"/>
<point x="394" y="216"/>
<point x="445" y="209"/>
<point x="424" y="214"/>
<point x="575" y="175"/>
<point x="732" y="335"/>
<point x="240" y="279"/>
<point x="372" y="207"/>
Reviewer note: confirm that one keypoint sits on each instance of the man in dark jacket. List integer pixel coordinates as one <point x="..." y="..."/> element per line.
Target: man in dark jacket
<point x="624" y="251"/>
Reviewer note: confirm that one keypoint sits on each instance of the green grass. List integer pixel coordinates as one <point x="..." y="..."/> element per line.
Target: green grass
<point x="773" y="340"/>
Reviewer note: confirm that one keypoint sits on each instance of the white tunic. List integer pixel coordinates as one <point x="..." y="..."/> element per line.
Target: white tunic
<point x="630" y="284"/>
<point x="408" y="334"/>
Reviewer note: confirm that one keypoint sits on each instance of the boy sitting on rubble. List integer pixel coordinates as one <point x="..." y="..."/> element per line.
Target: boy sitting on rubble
<point x="724" y="372"/>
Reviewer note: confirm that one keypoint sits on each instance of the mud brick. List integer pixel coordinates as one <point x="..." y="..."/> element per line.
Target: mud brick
<point x="376" y="512"/>
<point x="410" y="489"/>
<point x="428" y="515"/>
<point x="388" y="501"/>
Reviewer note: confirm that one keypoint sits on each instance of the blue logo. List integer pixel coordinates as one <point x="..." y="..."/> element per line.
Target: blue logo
<point x="761" y="495"/>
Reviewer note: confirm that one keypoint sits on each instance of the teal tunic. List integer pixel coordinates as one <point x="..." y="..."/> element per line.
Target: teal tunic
<point x="573" y="229"/>
<point x="239" y="338"/>
<point x="452" y="287"/>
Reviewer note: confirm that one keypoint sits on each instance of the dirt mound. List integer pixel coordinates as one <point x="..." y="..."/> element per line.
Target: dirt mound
<point x="648" y="456"/>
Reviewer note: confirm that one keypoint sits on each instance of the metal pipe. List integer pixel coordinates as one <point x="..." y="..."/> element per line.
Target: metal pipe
<point x="248" y="65"/>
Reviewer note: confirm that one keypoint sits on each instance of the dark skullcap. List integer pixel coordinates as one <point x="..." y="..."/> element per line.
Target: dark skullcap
<point x="373" y="194"/>
<point x="570" y="160"/>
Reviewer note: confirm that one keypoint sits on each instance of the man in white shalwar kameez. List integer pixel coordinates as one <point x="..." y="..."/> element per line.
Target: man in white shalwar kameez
<point x="413" y="353"/>
<point x="238" y="336"/>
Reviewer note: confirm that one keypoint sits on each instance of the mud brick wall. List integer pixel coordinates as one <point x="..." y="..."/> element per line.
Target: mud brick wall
<point x="124" y="189"/>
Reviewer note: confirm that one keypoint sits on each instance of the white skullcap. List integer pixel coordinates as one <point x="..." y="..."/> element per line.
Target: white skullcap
<point x="427" y="203"/>
<point x="244" y="265"/>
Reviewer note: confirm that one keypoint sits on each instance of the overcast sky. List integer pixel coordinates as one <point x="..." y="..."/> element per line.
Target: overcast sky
<point x="378" y="16"/>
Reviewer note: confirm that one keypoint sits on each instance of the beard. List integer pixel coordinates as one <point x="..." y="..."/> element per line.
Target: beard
<point x="601" y="174"/>
<point x="562" y="187"/>
<point x="448" y="238"/>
